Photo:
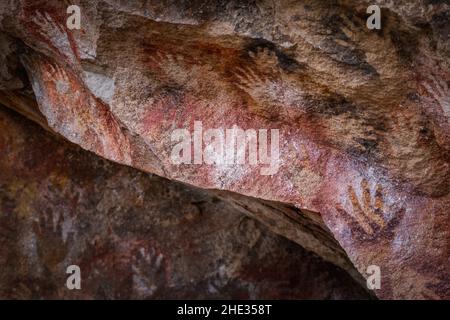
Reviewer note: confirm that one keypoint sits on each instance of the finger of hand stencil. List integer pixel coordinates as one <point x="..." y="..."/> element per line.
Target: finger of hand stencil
<point x="59" y="224"/>
<point x="366" y="197"/>
<point x="358" y="214"/>
<point x="431" y="91"/>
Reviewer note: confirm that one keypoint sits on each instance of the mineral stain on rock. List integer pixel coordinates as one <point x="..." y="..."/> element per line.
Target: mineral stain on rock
<point x="135" y="235"/>
<point x="370" y="107"/>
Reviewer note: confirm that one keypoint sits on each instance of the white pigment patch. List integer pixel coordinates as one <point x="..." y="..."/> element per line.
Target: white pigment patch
<point x="100" y="85"/>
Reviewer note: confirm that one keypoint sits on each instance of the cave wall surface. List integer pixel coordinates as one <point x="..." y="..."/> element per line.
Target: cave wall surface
<point x="136" y="235"/>
<point x="363" y="115"/>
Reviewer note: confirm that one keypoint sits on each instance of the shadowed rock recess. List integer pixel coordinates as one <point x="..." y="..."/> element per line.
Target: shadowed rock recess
<point x="362" y="179"/>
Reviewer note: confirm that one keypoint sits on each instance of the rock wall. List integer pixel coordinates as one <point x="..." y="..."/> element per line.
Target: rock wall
<point x="135" y="235"/>
<point x="362" y="115"/>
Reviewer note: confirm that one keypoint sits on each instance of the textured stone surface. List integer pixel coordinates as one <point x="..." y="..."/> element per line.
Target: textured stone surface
<point x="135" y="235"/>
<point x="363" y="115"/>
